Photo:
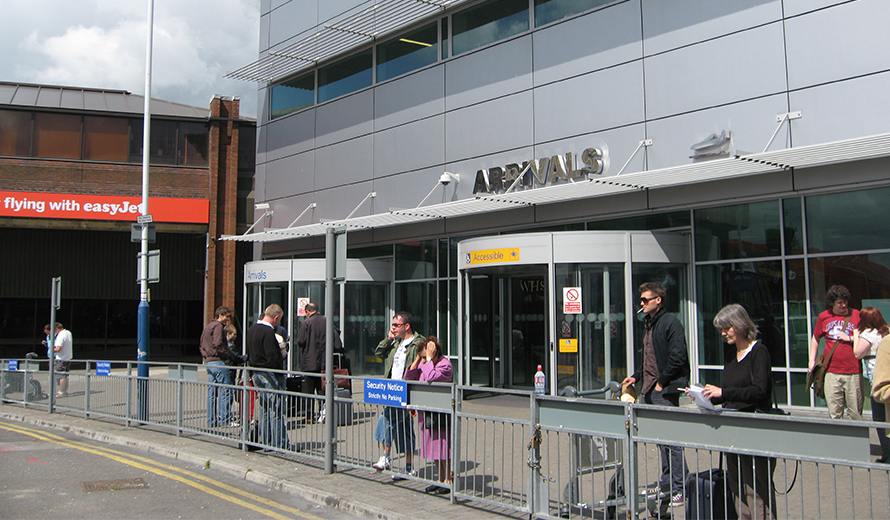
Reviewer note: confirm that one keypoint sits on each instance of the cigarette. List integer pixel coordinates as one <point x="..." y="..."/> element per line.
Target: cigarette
<point x="639" y="311"/>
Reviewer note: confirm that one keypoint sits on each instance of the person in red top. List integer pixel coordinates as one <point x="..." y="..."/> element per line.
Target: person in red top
<point x="843" y="380"/>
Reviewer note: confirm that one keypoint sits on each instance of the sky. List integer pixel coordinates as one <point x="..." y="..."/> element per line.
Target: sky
<point x="102" y="43"/>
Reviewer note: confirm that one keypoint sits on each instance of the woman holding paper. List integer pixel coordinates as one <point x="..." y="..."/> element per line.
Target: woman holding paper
<point x="747" y="387"/>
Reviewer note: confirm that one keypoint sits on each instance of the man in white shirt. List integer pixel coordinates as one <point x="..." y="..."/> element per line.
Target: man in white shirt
<point x="398" y="349"/>
<point x="63" y="347"/>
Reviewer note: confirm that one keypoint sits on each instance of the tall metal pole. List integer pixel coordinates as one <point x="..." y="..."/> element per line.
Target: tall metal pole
<point x="143" y="314"/>
<point x="331" y="412"/>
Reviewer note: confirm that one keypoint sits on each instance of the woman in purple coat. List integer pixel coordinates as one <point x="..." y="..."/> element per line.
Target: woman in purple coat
<point x="431" y="366"/>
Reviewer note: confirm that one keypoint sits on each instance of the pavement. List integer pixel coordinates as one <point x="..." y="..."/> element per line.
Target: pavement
<point x="354" y="491"/>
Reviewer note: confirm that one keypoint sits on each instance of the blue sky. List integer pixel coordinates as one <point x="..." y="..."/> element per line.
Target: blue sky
<point x="101" y="44"/>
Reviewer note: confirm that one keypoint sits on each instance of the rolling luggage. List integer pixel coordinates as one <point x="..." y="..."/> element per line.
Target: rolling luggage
<point x="708" y="496"/>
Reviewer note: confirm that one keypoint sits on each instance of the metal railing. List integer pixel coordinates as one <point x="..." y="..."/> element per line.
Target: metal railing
<point x="549" y="457"/>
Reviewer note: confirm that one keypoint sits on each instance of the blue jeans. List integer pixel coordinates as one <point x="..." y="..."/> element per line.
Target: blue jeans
<point x="271" y="412"/>
<point x="673" y="462"/>
<point x="219" y="399"/>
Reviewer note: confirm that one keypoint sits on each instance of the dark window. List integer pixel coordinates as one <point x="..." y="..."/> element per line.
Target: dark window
<point x="740" y="231"/>
<point x="486" y="23"/>
<point x="15" y="132"/>
<point x="345" y="76"/>
<point x="293" y="95"/>
<point x="162" y="148"/>
<point x="410" y="51"/>
<point x="57" y="136"/>
<point x="192" y="144"/>
<point x="105" y="138"/>
<point x="547" y="11"/>
<point x="851" y="221"/>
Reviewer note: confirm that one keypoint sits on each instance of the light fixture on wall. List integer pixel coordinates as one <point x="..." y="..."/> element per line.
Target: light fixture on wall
<point x="267" y="210"/>
<point x="444" y="180"/>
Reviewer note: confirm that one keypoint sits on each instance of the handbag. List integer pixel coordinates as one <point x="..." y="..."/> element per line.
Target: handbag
<point x="342" y="382"/>
<point x="816" y="376"/>
<point x="436" y="421"/>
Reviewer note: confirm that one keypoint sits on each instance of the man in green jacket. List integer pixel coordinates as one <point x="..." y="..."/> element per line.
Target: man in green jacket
<point x="397" y="350"/>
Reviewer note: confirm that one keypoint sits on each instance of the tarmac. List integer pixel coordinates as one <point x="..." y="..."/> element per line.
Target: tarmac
<point x="354" y="491"/>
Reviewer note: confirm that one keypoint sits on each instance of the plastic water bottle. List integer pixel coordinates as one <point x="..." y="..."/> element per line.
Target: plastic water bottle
<point x="539" y="382"/>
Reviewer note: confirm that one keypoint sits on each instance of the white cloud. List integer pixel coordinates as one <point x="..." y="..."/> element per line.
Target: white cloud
<point x="101" y="43"/>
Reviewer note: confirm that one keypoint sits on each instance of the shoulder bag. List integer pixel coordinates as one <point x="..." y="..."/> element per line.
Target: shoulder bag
<point x="816" y="376"/>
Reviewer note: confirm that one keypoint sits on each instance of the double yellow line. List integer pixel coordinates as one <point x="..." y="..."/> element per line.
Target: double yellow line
<point x="189" y="478"/>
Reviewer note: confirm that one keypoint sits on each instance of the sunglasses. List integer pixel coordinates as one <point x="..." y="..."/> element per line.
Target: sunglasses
<point x="644" y="300"/>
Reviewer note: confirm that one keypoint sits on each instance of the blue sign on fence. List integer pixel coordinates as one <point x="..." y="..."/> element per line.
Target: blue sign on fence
<point x="386" y="392"/>
<point x="13" y="364"/>
<point x="103" y="368"/>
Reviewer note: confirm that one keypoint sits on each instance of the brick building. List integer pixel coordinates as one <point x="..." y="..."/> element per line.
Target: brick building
<point x="70" y="190"/>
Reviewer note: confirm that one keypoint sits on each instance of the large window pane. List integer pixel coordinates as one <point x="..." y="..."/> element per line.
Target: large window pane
<point x="162" y="146"/>
<point x="792" y="213"/>
<point x="547" y="11"/>
<point x="15" y="132"/>
<point x="851" y="221"/>
<point x="193" y="144"/>
<point x="866" y="276"/>
<point x="57" y="136"/>
<point x="757" y="286"/>
<point x="416" y="260"/>
<point x="741" y="231"/>
<point x="675" y="219"/>
<point x="293" y="95"/>
<point x="486" y="23"/>
<point x="410" y="51"/>
<point x="798" y="321"/>
<point x="345" y="76"/>
<point x="418" y="298"/>
<point x="105" y="138"/>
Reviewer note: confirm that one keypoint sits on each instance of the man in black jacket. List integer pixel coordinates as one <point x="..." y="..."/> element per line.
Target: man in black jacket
<point x="312" y="340"/>
<point x="664" y="374"/>
<point x="265" y="351"/>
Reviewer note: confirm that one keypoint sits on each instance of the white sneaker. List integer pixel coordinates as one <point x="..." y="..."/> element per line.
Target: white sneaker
<point x="384" y="463"/>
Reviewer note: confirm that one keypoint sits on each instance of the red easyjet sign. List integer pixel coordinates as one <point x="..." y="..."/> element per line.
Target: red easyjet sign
<point x="101" y="207"/>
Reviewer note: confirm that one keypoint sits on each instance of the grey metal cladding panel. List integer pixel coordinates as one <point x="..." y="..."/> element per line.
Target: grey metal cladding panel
<point x="827" y="176"/>
<point x="126" y="103"/>
<point x="6" y="94"/>
<point x="420" y="230"/>
<point x="796" y="7"/>
<point x="49" y="97"/>
<point x="290" y="175"/>
<point x="492" y="221"/>
<point x="722" y="191"/>
<point x="495" y="71"/>
<point x="604" y="99"/>
<point x="501" y="124"/>
<point x="406" y="190"/>
<point x="420" y="144"/>
<point x="25" y="96"/>
<point x="617" y="146"/>
<point x="841" y="110"/>
<point x="715" y="72"/>
<point x="837" y="43"/>
<point x="670" y="25"/>
<point x="94" y="101"/>
<point x="594" y="41"/>
<point x="328" y="9"/>
<point x="751" y="123"/>
<point x="345" y="118"/>
<point x="593" y="208"/>
<point x="344" y="163"/>
<point x="336" y="204"/>
<point x="292" y="18"/>
<point x="289" y="208"/>
<point x="265" y="23"/>
<point x="72" y="98"/>
<point x="290" y="135"/>
<point x="410" y="97"/>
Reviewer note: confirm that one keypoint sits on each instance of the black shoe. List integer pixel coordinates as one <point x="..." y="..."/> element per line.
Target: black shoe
<point x="432" y="488"/>
<point x="443" y="491"/>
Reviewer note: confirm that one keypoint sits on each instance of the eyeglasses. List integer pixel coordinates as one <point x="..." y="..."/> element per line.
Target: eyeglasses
<point x="397" y="325"/>
<point x="644" y="300"/>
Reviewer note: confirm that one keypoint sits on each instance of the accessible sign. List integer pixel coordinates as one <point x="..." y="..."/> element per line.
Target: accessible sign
<point x="101" y="207"/>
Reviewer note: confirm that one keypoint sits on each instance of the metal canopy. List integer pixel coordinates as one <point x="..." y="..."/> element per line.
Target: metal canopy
<point x="862" y="148"/>
<point x="356" y="27"/>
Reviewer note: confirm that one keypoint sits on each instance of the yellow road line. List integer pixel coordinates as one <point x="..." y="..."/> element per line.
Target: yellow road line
<point x="168" y="471"/>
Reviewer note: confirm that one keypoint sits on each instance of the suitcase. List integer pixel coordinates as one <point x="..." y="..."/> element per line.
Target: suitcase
<point x="708" y="496"/>
<point x="345" y="409"/>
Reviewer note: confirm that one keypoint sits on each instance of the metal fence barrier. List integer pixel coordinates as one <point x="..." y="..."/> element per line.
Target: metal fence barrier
<point x="549" y="457"/>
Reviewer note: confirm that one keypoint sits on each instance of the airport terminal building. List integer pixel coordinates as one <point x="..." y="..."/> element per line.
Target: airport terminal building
<point x="510" y="171"/>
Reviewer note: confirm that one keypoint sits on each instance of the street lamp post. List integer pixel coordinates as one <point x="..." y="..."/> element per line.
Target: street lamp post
<point x="143" y="312"/>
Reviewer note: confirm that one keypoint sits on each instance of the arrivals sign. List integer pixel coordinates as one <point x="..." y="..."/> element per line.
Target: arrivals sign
<point x="101" y="207"/>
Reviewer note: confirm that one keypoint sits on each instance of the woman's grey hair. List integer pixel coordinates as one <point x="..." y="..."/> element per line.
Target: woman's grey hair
<point x="735" y="316"/>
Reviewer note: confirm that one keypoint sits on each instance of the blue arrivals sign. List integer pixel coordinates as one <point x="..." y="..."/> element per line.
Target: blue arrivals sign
<point x="103" y="368"/>
<point x="386" y="392"/>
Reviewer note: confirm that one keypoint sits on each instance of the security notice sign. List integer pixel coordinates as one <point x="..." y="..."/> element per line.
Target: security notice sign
<point x="571" y="300"/>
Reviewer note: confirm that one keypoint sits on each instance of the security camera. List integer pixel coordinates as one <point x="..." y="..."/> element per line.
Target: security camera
<point x="446" y="178"/>
<point x="262" y="205"/>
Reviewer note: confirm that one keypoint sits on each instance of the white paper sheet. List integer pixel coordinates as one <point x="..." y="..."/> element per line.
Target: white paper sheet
<point x="703" y="402"/>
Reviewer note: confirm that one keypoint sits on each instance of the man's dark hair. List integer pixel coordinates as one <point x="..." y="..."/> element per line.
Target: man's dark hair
<point x="406" y="318"/>
<point x="311" y="307"/>
<point x="222" y="311"/>
<point x="835" y="293"/>
<point x="655" y="288"/>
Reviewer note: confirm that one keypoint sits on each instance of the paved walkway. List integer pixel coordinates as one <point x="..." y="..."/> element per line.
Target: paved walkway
<point x="355" y="491"/>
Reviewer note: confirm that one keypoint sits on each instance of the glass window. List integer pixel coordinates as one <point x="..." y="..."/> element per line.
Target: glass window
<point x="420" y="299"/>
<point x="798" y="321"/>
<point x="15" y="133"/>
<point x="866" y="276"/>
<point x="741" y="231"/>
<point x="193" y="144"/>
<point x="757" y="286"/>
<point x="445" y="43"/>
<point x="293" y="95"/>
<point x="851" y="221"/>
<point x="105" y="138"/>
<point x="792" y="213"/>
<point x="247" y="147"/>
<point x="57" y="136"/>
<point x="676" y="219"/>
<point x="162" y="145"/>
<point x="345" y="76"/>
<point x="416" y="260"/>
<point x="547" y="11"/>
<point x="486" y="23"/>
<point x="410" y="51"/>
